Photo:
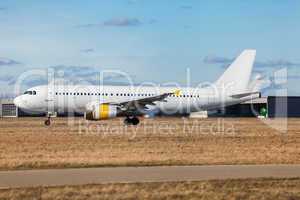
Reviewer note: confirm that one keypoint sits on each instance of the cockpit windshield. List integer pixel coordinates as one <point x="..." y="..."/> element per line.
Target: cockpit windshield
<point x="30" y="92"/>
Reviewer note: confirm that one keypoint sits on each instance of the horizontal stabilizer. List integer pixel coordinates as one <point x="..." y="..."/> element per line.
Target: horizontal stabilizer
<point x="238" y="96"/>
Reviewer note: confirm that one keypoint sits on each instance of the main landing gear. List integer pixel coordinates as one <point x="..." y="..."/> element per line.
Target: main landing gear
<point x="131" y="121"/>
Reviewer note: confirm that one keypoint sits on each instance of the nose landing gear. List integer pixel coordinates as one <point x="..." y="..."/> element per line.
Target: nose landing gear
<point x="48" y="121"/>
<point x="131" y="121"/>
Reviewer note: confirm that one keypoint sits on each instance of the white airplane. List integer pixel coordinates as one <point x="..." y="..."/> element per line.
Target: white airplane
<point x="104" y="102"/>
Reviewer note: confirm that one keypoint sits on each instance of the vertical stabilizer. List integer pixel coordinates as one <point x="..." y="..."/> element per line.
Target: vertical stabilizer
<point x="236" y="78"/>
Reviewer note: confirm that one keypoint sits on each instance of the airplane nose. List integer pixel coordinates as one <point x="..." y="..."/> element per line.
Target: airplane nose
<point x="18" y="102"/>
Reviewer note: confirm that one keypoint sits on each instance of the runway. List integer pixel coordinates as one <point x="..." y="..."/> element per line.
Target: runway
<point x="59" y="177"/>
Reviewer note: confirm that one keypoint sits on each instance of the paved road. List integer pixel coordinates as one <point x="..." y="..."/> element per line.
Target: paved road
<point x="57" y="177"/>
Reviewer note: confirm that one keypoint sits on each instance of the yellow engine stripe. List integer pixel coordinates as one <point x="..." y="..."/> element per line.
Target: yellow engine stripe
<point x="104" y="111"/>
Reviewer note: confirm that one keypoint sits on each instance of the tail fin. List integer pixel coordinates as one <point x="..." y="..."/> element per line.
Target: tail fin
<point x="237" y="76"/>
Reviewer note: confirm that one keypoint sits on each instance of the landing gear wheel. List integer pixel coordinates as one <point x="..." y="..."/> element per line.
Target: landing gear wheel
<point x="131" y="121"/>
<point x="127" y="121"/>
<point x="135" y="121"/>
<point x="48" y="122"/>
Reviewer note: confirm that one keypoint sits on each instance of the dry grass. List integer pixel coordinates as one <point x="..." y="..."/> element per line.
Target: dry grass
<point x="27" y="143"/>
<point x="268" y="189"/>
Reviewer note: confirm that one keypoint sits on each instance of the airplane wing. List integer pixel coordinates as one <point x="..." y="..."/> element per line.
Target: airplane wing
<point x="141" y="103"/>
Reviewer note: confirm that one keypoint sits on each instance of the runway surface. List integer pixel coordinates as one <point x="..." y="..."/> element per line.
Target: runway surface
<point x="58" y="177"/>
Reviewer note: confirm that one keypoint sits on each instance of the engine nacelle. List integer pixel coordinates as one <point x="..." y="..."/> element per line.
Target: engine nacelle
<point x="101" y="111"/>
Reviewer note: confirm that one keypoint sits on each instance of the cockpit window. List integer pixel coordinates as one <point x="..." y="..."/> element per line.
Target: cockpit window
<point x="30" y="92"/>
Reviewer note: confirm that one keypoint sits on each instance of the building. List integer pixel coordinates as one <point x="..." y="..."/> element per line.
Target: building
<point x="247" y="109"/>
<point x="283" y="106"/>
<point x="8" y="109"/>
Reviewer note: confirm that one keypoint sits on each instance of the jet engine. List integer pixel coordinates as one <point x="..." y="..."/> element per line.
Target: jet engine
<point x="101" y="112"/>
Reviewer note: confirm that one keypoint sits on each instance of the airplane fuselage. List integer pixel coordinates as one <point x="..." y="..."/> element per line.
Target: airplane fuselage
<point x="67" y="98"/>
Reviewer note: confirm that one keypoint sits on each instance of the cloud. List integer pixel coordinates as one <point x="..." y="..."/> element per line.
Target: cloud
<point x="117" y="22"/>
<point x="296" y="77"/>
<point x="259" y="64"/>
<point x="8" y="62"/>
<point x="186" y="7"/>
<point x="87" y="25"/>
<point x="90" y="50"/>
<point x="2" y="8"/>
<point x="75" y="72"/>
<point x="6" y="78"/>
<point x="85" y="75"/>
<point x="73" y="75"/>
<point x="123" y="22"/>
<point x="152" y="21"/>
<point x="217" y="60"/>
<point x="276" y="63"/>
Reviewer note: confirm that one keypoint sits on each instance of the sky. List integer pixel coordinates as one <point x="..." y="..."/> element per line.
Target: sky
<point x="160" y="41"/>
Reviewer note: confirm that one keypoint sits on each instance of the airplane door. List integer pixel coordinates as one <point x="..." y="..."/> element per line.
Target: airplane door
<point x="50" y="98"/>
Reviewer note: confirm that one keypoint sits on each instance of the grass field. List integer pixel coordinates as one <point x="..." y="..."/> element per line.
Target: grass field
<point x="267" y="189"/>
<point x="26" y="143"/>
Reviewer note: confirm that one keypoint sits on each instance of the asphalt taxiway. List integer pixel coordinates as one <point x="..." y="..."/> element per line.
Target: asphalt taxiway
<point x="59" y="177"/>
